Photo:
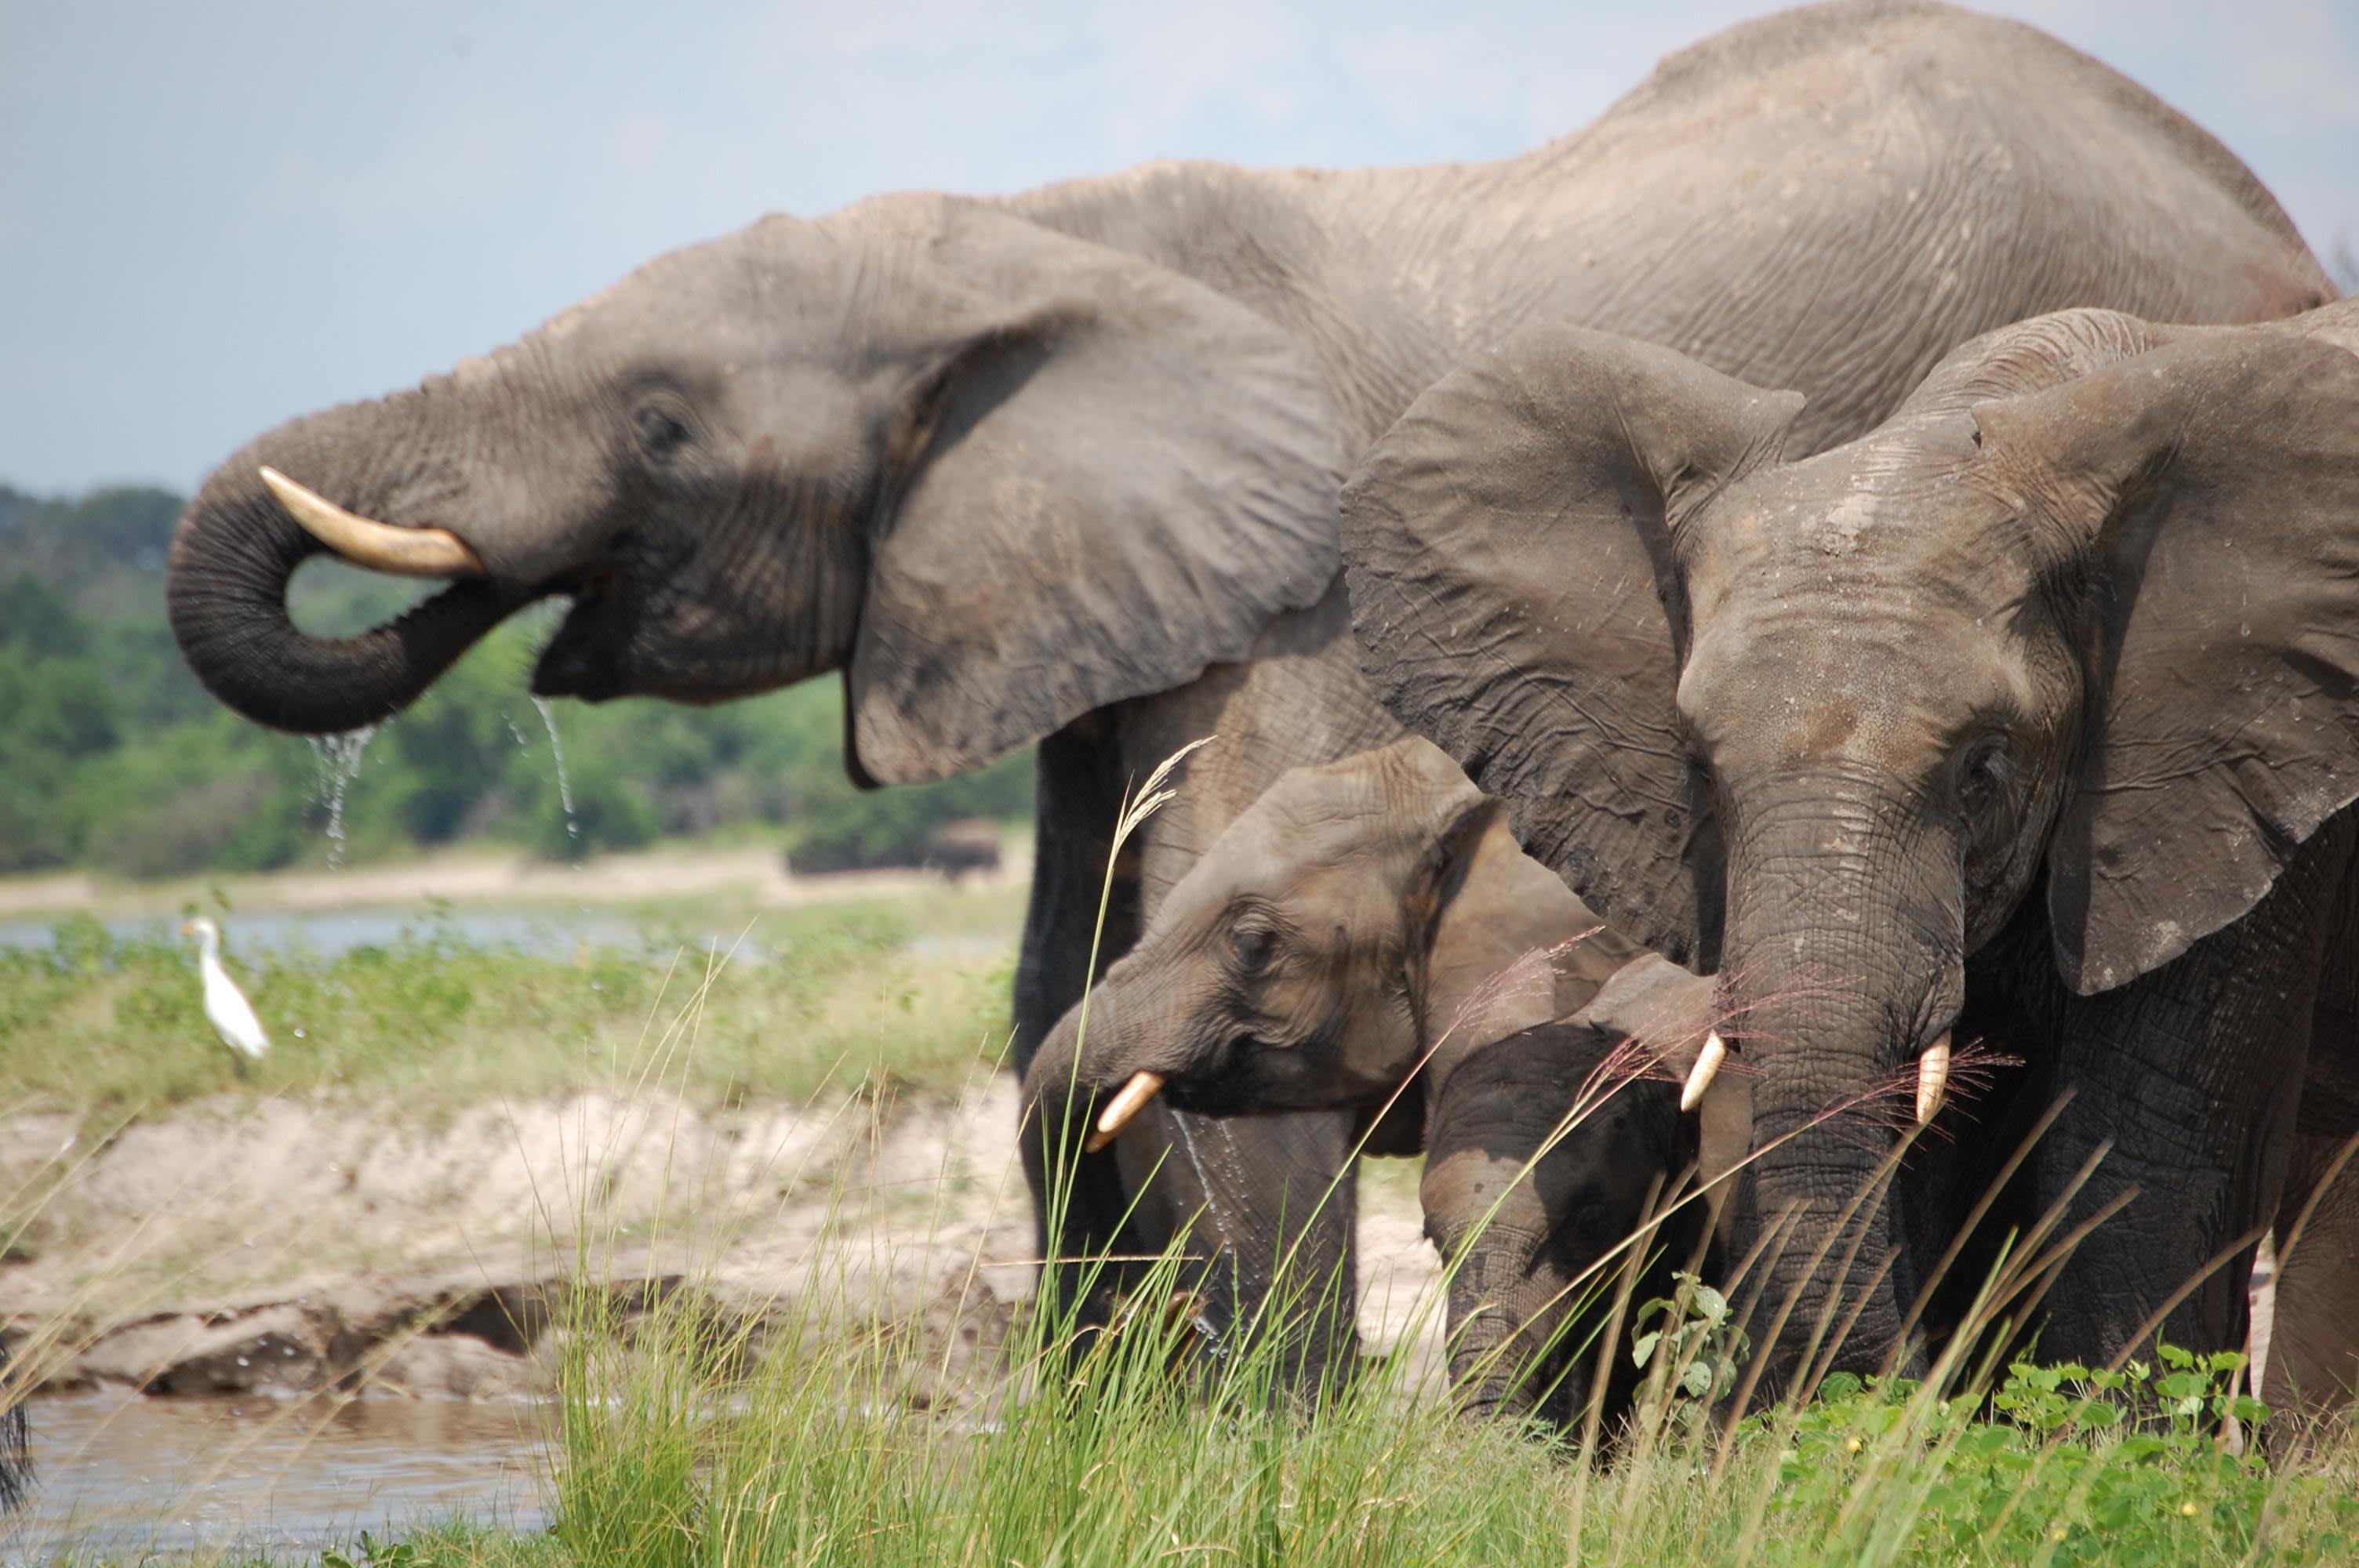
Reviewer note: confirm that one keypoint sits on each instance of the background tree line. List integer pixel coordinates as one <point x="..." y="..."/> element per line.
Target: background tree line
<point x="112" y="757"/>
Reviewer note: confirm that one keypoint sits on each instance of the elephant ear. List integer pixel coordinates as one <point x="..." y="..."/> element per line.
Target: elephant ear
<point x="1511" y="554"/>
<point x="2211" y="486"/>
<point x="1113" y="477"/>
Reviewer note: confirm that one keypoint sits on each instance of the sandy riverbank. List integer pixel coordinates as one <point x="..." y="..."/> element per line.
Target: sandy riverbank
<point x="281" y="1248"/>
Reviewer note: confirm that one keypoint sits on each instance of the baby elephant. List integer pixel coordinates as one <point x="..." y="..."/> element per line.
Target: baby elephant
<point x="1546" y="1153"/>
<point x="1369" y="937"/>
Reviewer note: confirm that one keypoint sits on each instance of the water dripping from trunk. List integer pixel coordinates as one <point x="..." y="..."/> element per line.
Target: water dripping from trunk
<point x="1245" y="1266"/>
<point x="564" y="784"/>
<point x="1180" y="1119"/>
<point x="339" y="761"/>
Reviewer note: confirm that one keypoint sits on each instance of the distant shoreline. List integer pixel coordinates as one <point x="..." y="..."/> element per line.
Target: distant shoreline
<point x="754" y="872"/>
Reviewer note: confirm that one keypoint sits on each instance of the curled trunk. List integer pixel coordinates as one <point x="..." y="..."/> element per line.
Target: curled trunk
<point x="238" y="547"/>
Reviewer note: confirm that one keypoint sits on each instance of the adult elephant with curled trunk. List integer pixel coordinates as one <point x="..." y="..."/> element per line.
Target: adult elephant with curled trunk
<point x="2028" y="714"/>
<point x="1061" y="467"/>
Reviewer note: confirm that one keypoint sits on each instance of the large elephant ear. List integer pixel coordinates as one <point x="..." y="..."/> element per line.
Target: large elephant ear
<point x="1120" y="476"/>
<point x="1511" y="554"/>
<point x="2214" y="483"/>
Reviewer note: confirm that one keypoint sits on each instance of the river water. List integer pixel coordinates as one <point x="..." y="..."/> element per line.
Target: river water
<point x="255" y="937"/>
<point x="122" y="1475"/>
<point x="540" y="931"/>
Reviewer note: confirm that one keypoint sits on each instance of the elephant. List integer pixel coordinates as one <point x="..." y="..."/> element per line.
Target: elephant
<point x="1367" y="937"/>
<point x="1551" y="1156"/>
<point x="2027" y="715"/>
<point x="15" y="1433"/>
<point x="2312" y="1371"/>
<point x="1061" y="467"/>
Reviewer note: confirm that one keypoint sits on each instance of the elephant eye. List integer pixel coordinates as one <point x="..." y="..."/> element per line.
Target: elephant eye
<point x="1986" y="775"/>
<point x="660" y="430"/>
<point x="1254" y="946"/>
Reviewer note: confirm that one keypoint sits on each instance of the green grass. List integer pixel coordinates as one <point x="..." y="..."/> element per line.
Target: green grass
<point x="820" y="999"/>
<point x="682" y="1439"/>
<point x="672" y="1452"/>
<point x="820" y="1435"/>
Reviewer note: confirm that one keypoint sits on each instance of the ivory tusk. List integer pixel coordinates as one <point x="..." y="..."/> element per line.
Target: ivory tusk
<point x="1933" y="1078"/>
<point x="380" y="546"/>
<point x="1706" y="1068"/>
<point x="1142" y="1087"/>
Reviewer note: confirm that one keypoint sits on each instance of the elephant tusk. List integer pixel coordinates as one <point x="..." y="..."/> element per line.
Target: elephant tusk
<point x="1142" y="1087"/>
<point x="1706" y="1068"/>
<point x="1933" y="1078"/>
<point x="380" y="546"/>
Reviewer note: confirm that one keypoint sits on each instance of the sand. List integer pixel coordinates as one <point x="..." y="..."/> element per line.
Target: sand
<point x="291" y="1245"/>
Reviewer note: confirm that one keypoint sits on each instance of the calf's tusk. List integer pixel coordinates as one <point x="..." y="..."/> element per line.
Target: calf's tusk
<point x="1933" y="1078"/>
<point x="380" y="546"/>
<point x="1706" y="1068"/>
<point x="1142" y="1087"/>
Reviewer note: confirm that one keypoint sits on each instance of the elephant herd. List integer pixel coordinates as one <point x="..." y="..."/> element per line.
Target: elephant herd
<point x="1844" y="572"/>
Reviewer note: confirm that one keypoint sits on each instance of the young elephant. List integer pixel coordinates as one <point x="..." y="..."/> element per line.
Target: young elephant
<point x="2033" y="712"/>
<point x="1546" y="1152"/>
<point x="1367" y="937"/>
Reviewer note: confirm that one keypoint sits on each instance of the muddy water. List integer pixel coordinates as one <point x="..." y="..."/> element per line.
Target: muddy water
<point x="121" y="1476"/>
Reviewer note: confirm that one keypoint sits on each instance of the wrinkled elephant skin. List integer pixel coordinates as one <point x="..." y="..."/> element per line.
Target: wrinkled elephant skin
<point x="2032" y="704"/>
<point x="1061" y="467"/>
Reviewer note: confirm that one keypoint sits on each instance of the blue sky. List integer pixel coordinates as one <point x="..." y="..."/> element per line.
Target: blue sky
<point x="215" y="216"/>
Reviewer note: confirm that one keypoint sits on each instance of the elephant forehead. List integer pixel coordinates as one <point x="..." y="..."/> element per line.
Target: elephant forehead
<point x="1841" y="669"/>
<point x="1292" y="853"/>
<point x="1903" y="504"/>
<point x="1862" y="600"/>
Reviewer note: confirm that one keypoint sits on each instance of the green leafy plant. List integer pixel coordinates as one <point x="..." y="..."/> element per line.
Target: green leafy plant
<point x="2082" y="1465"/>
<point x="375" y="1553"/>
<point x="1699" y="1351"/>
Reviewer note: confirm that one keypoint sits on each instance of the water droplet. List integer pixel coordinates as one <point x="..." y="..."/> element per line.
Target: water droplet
<point x="339" y="760"/>
<point x="564" y="784"/>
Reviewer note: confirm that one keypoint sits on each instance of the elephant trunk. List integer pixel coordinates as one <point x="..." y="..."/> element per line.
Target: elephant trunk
<point x="1507" y="1317"/>
<point x="1058" y="1084"/>
<point x="1485" y="1370"/>
<point x="1842" y="965"/>
<point x="238" y="545"/>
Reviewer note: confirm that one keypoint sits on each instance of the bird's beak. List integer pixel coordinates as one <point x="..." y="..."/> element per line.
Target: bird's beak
<point x="188" y="928"/>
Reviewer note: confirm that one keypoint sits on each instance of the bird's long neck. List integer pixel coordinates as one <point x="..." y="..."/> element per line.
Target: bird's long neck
<point x="209" y="947"/>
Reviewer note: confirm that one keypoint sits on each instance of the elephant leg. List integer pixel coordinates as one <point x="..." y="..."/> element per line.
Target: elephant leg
<point x="2186" y="1082"/>
<point x="1076" y="806"/>
<point x="16" y="1439"/>
<point x="2311" y="1368"/>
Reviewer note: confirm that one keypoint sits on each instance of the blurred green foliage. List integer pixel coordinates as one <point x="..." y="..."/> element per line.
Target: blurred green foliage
<point x="804" y="1002"/>
<point x="112" y="757"/>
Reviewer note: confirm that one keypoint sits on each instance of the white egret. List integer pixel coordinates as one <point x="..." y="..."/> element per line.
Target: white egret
<point x="231" y="1014"/>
